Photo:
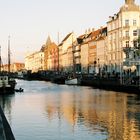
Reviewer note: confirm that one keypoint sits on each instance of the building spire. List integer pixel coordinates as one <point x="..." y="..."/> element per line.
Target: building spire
<point x="129" y="1"/>
<point x="48" y="42"/>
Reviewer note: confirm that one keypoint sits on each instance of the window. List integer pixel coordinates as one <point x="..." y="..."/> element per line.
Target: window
<point x="135" y="33"/>
<point x="127" y="43"/>
<point x="126" y="22"/>
<point x="134" y="22"/>
<point x="127" y="33"/>
<point x="135" y="43"/>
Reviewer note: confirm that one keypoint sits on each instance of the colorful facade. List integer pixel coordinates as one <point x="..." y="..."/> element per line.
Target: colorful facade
<point x="15" y="67"/>
<point x="50" y="56"/>
<point x="96" y="51"/>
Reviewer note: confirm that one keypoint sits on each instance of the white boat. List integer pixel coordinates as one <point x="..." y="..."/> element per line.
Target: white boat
<point x="73" y="81"/>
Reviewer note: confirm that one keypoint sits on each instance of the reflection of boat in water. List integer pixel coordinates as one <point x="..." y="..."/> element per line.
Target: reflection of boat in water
<point x="7" y="84"/>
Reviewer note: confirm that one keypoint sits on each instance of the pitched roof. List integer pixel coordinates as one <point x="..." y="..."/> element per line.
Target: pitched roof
<point x="66" y="37"/>
<point x="42" y="48"/>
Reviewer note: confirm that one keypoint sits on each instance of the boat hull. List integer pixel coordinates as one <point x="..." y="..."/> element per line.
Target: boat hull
<point x="72" y="81"/>
<point x="7" y="85"/>
<point x="7" y="90"/>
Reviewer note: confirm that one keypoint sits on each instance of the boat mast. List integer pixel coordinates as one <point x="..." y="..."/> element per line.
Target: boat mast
<point x="9" y="62"/>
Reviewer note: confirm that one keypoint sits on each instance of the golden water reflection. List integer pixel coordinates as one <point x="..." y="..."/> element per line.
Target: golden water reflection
<point x="48" y="111"/>
<point x="114" y="113"/>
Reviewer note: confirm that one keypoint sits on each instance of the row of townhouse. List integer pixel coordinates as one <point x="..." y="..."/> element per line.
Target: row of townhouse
<point x="95" y="51"/>
<point x="85" y="53"/>
<point x="44" y="59"/>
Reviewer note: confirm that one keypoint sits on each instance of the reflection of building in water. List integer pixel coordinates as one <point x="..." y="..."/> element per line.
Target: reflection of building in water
<point x="108" y="113"/>
<point x="68" y="107"/>
<point x="51" y="107"/>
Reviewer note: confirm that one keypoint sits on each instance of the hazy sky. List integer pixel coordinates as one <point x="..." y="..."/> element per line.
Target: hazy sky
<point x="29" y="22"/>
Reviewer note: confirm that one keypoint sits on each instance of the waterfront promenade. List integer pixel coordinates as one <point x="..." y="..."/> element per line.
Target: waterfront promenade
<point x="5" y="130"/>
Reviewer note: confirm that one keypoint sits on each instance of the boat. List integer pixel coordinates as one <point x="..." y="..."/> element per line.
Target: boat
<point x="73" y="81"/>
<point x="7" y="83"/>
<point x="19" y="90"/>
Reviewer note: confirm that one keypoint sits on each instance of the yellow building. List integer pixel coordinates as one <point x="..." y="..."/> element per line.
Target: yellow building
<point x="122" y="32"/>
<point x="35" y="61"/>
<point x="101" y="50"/>
<point x="70" y="58"/>
<point x="64" y="54"/>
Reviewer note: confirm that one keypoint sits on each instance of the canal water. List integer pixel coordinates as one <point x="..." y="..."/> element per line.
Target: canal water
<point x="46" y="111"/>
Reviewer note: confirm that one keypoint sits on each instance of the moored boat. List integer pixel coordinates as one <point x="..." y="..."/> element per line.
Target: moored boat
<point x="73" y="81"/>
<point x="7" y="84"/>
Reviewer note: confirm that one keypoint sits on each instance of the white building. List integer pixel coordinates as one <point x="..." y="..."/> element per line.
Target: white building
<point x="122" y="32"/>
<point x="63" y="51"/>
<point x="35" y="61"/>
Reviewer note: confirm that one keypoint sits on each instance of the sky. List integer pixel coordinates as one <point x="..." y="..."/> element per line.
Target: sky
<point x="29" y="22"/>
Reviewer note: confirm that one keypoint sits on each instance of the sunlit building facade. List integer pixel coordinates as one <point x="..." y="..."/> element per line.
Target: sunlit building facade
<point x="50" y="55"/>
<point x="15" y="67"/>
<point x="93" y="51"/>
<point x="64" y="52"/>
<point x="122" y="32"/>
<point x="35" y="61"/>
